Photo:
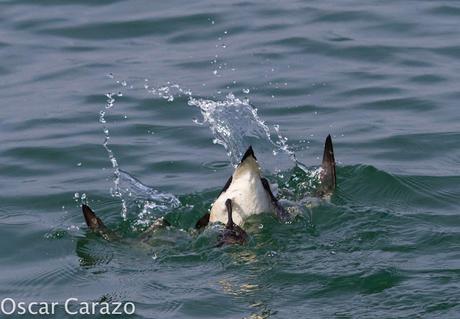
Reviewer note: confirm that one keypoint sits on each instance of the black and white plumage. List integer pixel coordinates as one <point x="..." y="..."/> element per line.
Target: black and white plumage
<point x="246" y="193"/>
<point x="249" y="192"/>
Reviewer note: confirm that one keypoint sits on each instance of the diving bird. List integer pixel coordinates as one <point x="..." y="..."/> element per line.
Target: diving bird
<point x="250" y="193"/>
<point x="246" y="193"/>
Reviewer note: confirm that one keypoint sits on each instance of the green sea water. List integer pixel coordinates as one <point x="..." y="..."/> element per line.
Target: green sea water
<point x="140" y="109"/>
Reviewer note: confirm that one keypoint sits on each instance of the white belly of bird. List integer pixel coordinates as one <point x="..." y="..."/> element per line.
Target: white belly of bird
<point x="248" y="196"/>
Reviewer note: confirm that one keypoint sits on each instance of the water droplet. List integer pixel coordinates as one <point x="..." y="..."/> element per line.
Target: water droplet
<point x="101" y="117"/>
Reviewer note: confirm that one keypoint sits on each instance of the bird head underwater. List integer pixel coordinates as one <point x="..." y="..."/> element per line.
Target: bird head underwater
<point x="246" y="193"/>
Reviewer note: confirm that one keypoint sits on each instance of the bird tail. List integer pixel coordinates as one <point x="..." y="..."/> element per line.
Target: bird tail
<point x="95" y="223"/>
<point x="328" y="176"/>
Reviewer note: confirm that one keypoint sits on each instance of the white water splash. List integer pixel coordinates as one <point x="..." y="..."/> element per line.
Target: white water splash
<point x="313" y="176"/>
<point x="131" y="192"/>
<point x="115" y="190"/>
<point x="151" y="202"/>
<point x="168" y="91"/>
<point x="235" y="123"/>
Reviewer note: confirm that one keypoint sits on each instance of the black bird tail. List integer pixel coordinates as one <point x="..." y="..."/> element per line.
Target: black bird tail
<point x="328" y="177"/>
<point x="95" y="223"/>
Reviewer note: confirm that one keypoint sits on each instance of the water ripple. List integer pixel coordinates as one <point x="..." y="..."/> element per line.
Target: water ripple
<point x="380" y="78"/>
<point x="129" y="29"/>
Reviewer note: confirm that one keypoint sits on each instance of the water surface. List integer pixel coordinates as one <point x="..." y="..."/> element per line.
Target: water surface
<point x="184" y="87"/>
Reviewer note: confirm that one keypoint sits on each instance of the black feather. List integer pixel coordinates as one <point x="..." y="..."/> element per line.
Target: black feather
<point x="249" y="152"/>
<point x="328" y="175"/>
